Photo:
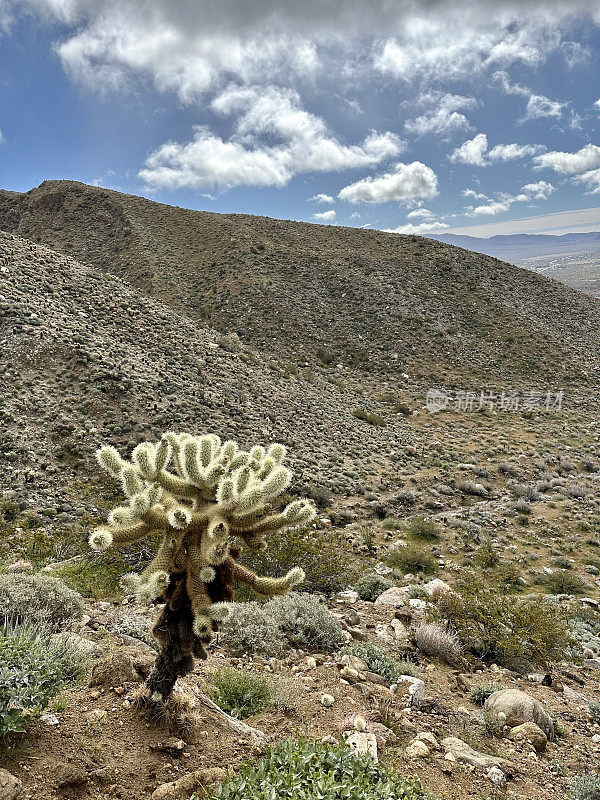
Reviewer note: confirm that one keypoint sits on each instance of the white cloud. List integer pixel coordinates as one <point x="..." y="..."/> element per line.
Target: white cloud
<point x="420" y="213"/>
<point x="325" y="216"/>
<point x="539" y="191"/>
<point x="591" y="180"/>
<point x="321" y="198"/>
<point x="538" y="106"/>
<point x="423" y="228"/>
<point x="473" y="194"/>
<point x="588" y="158"/>
<point x="475" y="151"/>
<point x="406" y="182"/>
<point x="503" y="201"/>
<point x="2" y="139"/>
<point x="249" y="158"/>
<point x="444" y="117"/>
<point x="471" y="152"/>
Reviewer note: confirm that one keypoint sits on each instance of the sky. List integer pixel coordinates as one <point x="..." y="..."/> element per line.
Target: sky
<point x="416" y="117"/>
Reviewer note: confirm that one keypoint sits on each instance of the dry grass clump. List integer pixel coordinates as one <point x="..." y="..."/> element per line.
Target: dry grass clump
<point x="438" y="642"/>
<point x="38" y="598"/>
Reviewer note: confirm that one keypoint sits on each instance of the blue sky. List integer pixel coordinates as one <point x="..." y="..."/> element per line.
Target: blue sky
<point x="435" y="116"/>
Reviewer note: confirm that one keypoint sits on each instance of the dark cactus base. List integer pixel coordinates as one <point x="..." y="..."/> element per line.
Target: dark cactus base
<point x="174" y="633"/>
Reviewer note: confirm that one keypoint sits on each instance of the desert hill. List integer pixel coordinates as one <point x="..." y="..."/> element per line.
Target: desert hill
<point x="371" y="301"/>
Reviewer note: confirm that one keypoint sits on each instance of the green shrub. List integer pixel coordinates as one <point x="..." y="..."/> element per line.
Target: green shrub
<point x="94" y="576"/>
<point x="370" y="587"/>
<point x="297" y="620"/>
<point x="585" y="787"/>
<point x="479" y="694"/>
<point x="486" y="557"/>
<point x="424" y="529"/>
<point x="38" y="598"/>
<point x="376" y="659"/>
<point x="240" y="694"/>
<point x="301" y="770"/>
<point x="367" y="416"/>
<point x="564" y="583"/>
<point x="498" y="627"/>
<point x="322" y="554"/>
<point x="33" y="669"/>
<point x="595" y="711"/>
<point x="412" y="559"/>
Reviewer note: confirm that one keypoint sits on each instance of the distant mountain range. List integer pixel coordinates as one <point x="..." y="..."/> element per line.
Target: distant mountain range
<point x="518" y="246"/>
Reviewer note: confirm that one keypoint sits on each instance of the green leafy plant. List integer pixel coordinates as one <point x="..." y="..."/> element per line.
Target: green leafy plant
<point x="412" y="559"/>
<point x="585" y="787"/>
<point x="369" y="587"/>
<point x="479" y="694"/>
<point x="301" y="770"/>
<point x="376" y="659"/>
<point x="562" y="582"/>
<point x="240" y="694"/>
<point x="38" y="598"/>
<point x="424" y="529"/>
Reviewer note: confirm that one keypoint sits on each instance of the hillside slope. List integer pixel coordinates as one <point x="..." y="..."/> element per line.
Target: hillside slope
<point x="372" y="301"/>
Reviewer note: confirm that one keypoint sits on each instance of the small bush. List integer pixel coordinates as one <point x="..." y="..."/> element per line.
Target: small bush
<point x="498" y="627"/>
<point x="95" y="576"/>
<point x="564" y="583"/>
<point x="296" y="620"/>
<point x="286" y="692"/>
<point x="424" y="529"/>
<point x="306" y="623"/>
<point x="585" y="787"/>
<point x="412" y="559"/>
<point x="370" y="587"/>
<point x="240" y="694"/>
<point x="595" y="711"/>
<point x="366" y="416"/>
<point x="320" y="553"/>
<point x="305" y="770"/>
<point x="376" y="659"/>
<point x="480" y="693"/>
<point x="33" y="669"/>
<point x="438" y="642"/>
<point x="486" y="556"/>
<point x="38" y="598"/>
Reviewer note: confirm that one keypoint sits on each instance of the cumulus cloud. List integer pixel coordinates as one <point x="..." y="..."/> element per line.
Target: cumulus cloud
<point x="423" y="229"/>
<point x="443" y="117"/>
<point x="473" y="194"/>
<point x="406" y="182"/>
<point x="588" y="158"/>
<point x="539" y="191"/>
<point x="503" y="201"/>
<point x="538" y="106"/>
<point x="475" y="151"/>
<point x="304" y="144"/>
<point x="325" y="216"/>
<point x="321" y="198"/>
<point x="472" y="151"/>
<point x="420" y="213"/>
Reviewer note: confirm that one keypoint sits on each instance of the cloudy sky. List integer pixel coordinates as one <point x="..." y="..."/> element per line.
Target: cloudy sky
<point x="476" y="117"/>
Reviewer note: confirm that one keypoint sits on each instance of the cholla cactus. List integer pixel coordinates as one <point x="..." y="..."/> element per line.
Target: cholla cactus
<point x="199" y="494"/>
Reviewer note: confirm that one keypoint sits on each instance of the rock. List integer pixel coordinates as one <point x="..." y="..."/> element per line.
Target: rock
<point x="436" y="588"/>
<point x="173" y="746"/>
<point x="429" y="739"/>
<point x="11" y="787"/>
<point x="518" y="707"/>
<point x="395" y="596"/>
<point x="51" y="720"/>
<point x="383" y="734"/>
<point x="84" y="647"/>
<point x="363" y="743"/>
<point x="417" y="749"/>
<point x="382" y="569"/>
<point x="66" y="774"/>
<point x="457" y="750"/>
<point x="382" y="631"/>
<point x="413" y="687"/>
<point x="351" y="618"/>
<point x="125" y="665"/>
<point x="183" y="787"/>
<point x="400" y="631"/>
<point x="529" y="732"/>
<point x="497" y="777"/>
<point x="591" y="663"/>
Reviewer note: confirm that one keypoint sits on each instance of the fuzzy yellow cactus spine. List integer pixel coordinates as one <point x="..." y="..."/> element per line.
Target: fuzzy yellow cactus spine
<point x="196" y="494"/>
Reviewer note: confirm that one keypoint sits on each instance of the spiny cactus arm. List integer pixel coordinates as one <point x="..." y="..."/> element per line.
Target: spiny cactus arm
<point x="200" y="602"/>
<point x="299" y="512"/>
<point x="165" y="555"/>
<point x="103" y="537"/>
<point x="176" y="486"/>
<point x="269" y="587"/>
<point x="242" y="574"/>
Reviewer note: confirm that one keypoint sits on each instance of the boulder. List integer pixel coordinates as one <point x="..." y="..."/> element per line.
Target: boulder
<point x="363" y="743"/>
<point x="517" y="708"/>
<point x="124" y="665"/>
<point x="396" y="596"/>
<point x="11" y="787"/>
<point x="417" y="749"/>
<point x="457" y="750"/>
<point x="529" y="732"/>
<point x="413" y="687"/>
<point x="183" y="787"/>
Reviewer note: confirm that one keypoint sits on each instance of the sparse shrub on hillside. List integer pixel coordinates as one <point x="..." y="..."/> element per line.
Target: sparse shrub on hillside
<point x="321" y="496"/>
<point x="595" y="711"/>
<point x="562" y="582"/>
<point x="239" y="693"/>
<point x="306" y="622"/>
<point x="367" y="416"/>
<point x="376" y="659"/>
<point x="298" y="769"/>
<point x="522" y="506"/>
<point x="486" y="556"/>
<point x="424" y="529"/>
<point x="412" y="559"/>
<point x="497" y="627"/>
<point x="479" y="694"/>
<point x="321" y="553"/>
<point x="438" y="642"/>
<point x="470" y="487"/>
<point x="506" y="468"/>
<point x="405" y="497"/>
<point x="33" y="669"/>
<point x="38" y="598"/>
<point x="297" y="620"/>
<point x="369" y="587"/>
<point x="585" y="787"/>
